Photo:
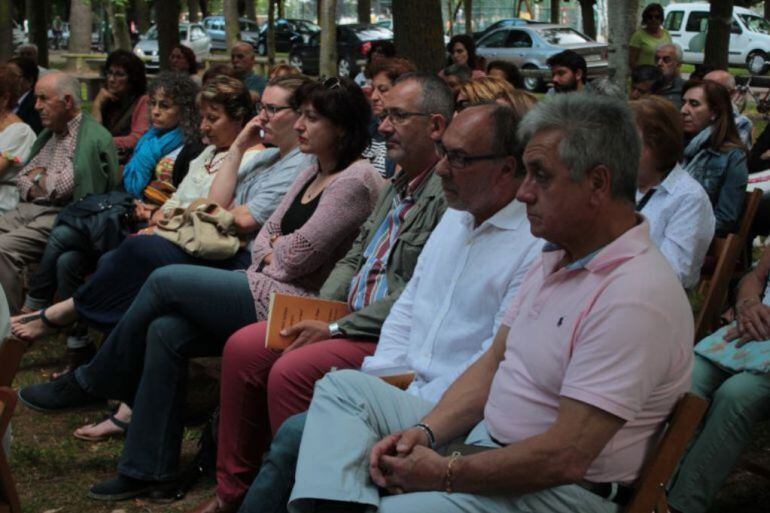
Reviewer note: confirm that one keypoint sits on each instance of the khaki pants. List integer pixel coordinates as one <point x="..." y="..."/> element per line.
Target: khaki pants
<point x="23" y="235"/>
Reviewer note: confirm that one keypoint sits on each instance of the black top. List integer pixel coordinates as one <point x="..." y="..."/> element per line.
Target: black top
<point x="762" y="144"/>
<point x="298" y="213"/>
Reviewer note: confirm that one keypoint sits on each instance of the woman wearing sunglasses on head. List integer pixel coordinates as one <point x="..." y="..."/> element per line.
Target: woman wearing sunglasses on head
<point x="642" y="45"/>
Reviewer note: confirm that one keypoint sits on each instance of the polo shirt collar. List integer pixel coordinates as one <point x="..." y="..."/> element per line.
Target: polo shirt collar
<point x="672" y="180"/>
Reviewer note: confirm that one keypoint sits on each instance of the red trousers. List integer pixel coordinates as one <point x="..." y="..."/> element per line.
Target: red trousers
<point x="260" y="389"/>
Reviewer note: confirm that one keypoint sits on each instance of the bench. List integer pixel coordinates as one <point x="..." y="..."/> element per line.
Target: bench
<point x="79" y="61"/>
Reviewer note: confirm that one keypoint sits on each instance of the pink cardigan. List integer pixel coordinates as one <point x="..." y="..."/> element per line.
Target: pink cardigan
<point x="302" y="260"/>
<point x="140" y="123"/>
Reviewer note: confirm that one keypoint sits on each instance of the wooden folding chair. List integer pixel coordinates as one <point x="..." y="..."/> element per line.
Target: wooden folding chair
<point x="9" y="498"/>
<point x="650" y="493"/>
<point x="11" y="351"/>
<point x="744" y="228"/>
<point x="713" y="286"/>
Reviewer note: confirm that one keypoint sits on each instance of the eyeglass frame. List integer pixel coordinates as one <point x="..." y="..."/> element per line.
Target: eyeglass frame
<point x="442" y="153"/>
<point x="404" y="115"/>
<point x="115" y="73"/>
<point x="259" y="106"/>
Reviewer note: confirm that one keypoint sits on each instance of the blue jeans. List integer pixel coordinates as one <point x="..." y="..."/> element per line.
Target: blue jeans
<point x="182" y="311"/>
<point x="738" y="401"/>
<point x="270" y="491"/>
<point x="66" y="259"/>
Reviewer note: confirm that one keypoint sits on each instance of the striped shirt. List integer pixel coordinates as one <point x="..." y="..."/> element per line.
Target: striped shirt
<point x="370" y="284"/>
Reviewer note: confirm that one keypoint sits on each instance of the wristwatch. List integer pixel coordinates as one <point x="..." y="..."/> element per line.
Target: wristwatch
<point x="37" y="178"/>
<point x="335" y="330"/>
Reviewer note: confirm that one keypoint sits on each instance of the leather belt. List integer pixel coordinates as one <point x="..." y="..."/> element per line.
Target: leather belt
<point x="615" y="492"/>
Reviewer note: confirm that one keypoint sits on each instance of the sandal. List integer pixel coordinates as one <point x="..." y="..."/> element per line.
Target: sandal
<point x="121" y="426"/>
<point x="41" y="316"/>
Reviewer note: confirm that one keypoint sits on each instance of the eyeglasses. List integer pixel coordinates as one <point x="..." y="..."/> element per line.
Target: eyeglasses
<point x="665" y="58"/>
<point x="117" y="73"/>
<point x="458" y="160"/>
<point x="332" y="83"/>
<point x="399" y="116"/>
<point x="271" y="110"/>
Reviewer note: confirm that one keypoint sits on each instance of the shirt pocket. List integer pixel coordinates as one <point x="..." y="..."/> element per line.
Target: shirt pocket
<point x="406" y="252"/>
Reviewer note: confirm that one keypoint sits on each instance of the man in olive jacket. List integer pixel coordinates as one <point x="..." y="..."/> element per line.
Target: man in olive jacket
<point x="74" y="155"/>
<point x="381" y="261"/>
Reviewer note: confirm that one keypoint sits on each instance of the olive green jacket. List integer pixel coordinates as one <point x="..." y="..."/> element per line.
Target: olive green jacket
<point x="95" y="162"/>
<point x="416" y="228"/>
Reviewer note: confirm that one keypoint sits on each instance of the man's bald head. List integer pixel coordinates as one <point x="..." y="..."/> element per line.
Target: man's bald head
<point x="722" y="78"/>
<point x="242" y="59"/>
<point x="58" y="99"/>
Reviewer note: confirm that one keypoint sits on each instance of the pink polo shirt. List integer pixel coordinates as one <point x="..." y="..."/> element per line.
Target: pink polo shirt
<point x="616" y="334"/>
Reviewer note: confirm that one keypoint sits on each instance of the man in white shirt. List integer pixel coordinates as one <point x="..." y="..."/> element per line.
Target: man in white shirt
<point x="466" y="276"/>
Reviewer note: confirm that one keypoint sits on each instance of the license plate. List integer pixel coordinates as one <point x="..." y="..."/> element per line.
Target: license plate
<point x="593" y="58"/>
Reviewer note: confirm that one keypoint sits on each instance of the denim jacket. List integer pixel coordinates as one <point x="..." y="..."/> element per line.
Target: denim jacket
<point x="724" y="176"/>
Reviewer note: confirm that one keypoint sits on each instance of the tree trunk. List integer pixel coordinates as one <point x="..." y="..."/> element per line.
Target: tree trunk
<point x="622" y="18"/>
<point x="328" y="58"/>
<point x="204" y="8"/>
<point x="767" y="9"/>
<point x="364" y="11"/>
<point x="116" y="10"/>
<point x="232" y="27"/>
<point x="80" y="26"/>
<point x="271" y="31"/>
<point x="554" y="11"/>
<point x="38" y="30"/>
<point x="418" y="33"/>
<point x="468" y="10"/>
<point x="281" y="9"/>
<point x="718" y="35"/>
<point x="192" y="10"/>
<point x="6" y="31"/>
<point x="167" y="21"/>
<point x="587" y="12"/>
<point x="451" y="21"/>
<point x="142" y="15"/>
<point x="251" y="10"/>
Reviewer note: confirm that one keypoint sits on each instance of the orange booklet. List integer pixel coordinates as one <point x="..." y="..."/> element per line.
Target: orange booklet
<point x="400" y="376"/>
<point x="287" y="310"/>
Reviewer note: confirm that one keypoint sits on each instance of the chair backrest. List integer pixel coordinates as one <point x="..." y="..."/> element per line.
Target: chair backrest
<point x="11" y="351"/>
<point x="724" y="255"/>
<point x="750" y="208"/>
<point x="650" y="493"/>
<point x="9" y="498"/>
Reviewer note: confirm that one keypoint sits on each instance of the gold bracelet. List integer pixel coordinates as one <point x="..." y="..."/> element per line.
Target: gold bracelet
<point x="449" y="473"/>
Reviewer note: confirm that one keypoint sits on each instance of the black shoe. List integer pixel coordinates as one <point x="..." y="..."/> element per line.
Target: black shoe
<point x="75" y="358"/>
<point x="61" y="394"/>
<point x="121" y="488"/>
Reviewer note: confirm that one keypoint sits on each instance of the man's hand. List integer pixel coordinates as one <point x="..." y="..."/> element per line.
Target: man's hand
<point x="753" y="323"/>
<point x="307" y="332"/>
<point x="399" y="444"/>
<point x="38" y="177"/>
<point x="422" y="469"/>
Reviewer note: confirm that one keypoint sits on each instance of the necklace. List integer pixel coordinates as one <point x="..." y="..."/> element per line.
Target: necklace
<point x="216" y="159"/>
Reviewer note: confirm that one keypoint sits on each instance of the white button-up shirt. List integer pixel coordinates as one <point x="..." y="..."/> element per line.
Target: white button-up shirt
<point x="450" y="310"/>
<point x="681" y="223"/>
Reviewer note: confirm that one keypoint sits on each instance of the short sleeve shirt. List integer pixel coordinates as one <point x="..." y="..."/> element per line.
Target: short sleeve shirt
<point x="615" y="333"/>
<point x="646" y="44"/>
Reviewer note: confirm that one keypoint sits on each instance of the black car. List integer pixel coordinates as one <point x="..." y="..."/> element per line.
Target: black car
<point x="288" y="32"/>
<point x="353" y="43"/>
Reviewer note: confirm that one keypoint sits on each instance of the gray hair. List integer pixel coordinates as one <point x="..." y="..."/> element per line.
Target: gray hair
<point x="597" y="130"/>
<point x="461" y="71"/>
<point x="676" y="47"/>
<point x="67" y="84"/>
<point x="183" y="92"/>
<point x="437" y="97"/>
<point x="605" y="86"/>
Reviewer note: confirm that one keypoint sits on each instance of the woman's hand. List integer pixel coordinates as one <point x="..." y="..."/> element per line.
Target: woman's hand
<point x="103" y="96"/>
<point x="157" y="216"/>
<point x="753" y="322"/>
<point x="250" y="135"/>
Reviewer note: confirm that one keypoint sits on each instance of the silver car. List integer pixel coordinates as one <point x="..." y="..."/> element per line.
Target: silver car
<point x="528" y="47"/>
<point x="191" y="35"/>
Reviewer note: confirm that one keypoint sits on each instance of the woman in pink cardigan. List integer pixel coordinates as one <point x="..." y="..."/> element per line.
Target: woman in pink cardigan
<point x="183" y="311"/>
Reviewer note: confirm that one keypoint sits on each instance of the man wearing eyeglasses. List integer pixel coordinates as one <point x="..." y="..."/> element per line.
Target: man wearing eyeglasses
<point x="668" y="58"/>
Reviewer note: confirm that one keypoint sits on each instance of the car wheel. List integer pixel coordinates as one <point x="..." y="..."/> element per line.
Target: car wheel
<point x="296" y="61"/>
<point x="756" y="62"/>
<point x="532" y="84"/>
<point x="343" y="68"/>
<point x="262" y="49"/>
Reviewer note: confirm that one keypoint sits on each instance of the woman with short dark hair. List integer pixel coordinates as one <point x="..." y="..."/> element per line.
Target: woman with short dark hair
<point x="714" y="154"/>
<point x="121" y="105"/>
<point x="642" y="45"/>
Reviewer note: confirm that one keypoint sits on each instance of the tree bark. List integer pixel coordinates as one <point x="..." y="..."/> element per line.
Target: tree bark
<point x="587" y="12"/>
<point x="142" y="15"/>
<point x="418" y="33"/>
<point x="767" y="9"/>
<point x="167" y="21"/>
<point x="116" y="10"/>
<point x="328" y="60"/>
<point x="6" y="31"/>
<point x="281" y="9"/>
<point x="204" y="8"/>
<point x="271" y="31"/>
<point x="554" y="11"/>
<point x="251" y="10"/>
<point x="38" y="30"/>
<point x="622" y="18"/>
<point x="364" y="11"/>
<point x="80" y="26"/>
<point x="232" y="27"/>
<point x="718" y="35"/>
<point x="192" y="10"/>
<point x="451" y="20"/>
<point x="468" y="10"/>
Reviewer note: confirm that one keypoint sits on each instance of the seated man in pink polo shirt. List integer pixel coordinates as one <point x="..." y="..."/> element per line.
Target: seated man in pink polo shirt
<point x="562" y="410"/>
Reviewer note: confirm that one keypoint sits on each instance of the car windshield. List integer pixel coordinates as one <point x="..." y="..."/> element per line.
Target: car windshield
<point x="371" y="32"/>
<point x="310" y="27"/>
<point x="151" y="34"/>
<point x="563" y="36"/>
<point x="755" y="23"/>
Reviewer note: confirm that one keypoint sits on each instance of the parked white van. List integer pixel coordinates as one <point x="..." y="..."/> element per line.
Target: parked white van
<point x="749" y="37"/>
